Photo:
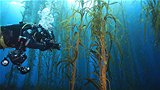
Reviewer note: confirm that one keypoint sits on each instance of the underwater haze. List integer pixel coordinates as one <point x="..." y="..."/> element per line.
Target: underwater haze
<point x="106" y="45"/>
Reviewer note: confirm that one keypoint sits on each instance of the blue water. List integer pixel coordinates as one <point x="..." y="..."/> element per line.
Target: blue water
<point x="140" y="71"/>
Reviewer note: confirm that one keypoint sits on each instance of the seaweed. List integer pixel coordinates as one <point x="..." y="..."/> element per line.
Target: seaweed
<point x="152" y="12"/>
<point x="100" y="30"/>
<point x="39" y="70"/>
<point x="96" y="23"/>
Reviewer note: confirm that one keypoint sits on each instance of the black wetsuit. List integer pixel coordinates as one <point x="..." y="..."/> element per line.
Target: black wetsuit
<point x="11" y="35"/>
<point x="22" y="36"/>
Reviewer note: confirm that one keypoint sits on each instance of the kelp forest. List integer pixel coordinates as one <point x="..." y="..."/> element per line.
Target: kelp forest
<point x="105" y="45"/>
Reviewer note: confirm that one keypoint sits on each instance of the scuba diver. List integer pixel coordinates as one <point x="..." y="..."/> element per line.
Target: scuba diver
<point x="21" y="36"/>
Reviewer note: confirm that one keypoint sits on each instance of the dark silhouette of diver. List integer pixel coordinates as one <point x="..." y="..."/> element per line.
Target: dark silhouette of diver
<point x="21" y="36"/>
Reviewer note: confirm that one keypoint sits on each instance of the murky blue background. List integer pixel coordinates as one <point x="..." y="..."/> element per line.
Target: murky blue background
<point x="140" y="72"/>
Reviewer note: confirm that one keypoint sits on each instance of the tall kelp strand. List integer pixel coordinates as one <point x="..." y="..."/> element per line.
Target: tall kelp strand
<point x="152" y="12"/>
<point x="101" y="46"/>
<point x="103" y="37"/>
<point x="74" y="25"/>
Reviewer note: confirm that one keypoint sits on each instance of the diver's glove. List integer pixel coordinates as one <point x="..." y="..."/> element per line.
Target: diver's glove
<point x="51" y="45"/>
<point x="56" y="46"/>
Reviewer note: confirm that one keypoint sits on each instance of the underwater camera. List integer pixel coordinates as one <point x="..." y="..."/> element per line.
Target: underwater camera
<point x="17" y="57"/>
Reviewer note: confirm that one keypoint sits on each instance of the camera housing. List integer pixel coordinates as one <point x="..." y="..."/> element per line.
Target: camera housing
<point x="17" y="57"/>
